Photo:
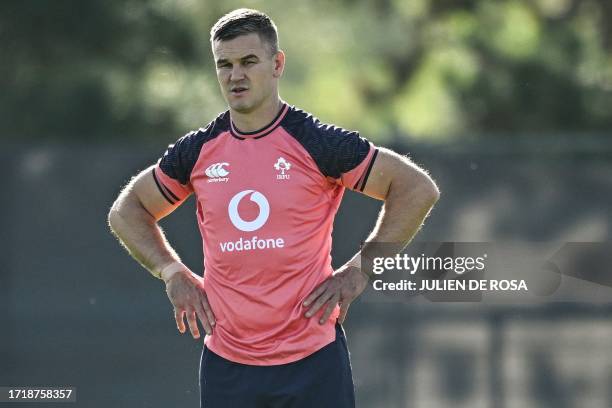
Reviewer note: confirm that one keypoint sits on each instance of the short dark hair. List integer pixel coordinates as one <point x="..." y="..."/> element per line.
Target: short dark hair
<point x="245" y="21"/>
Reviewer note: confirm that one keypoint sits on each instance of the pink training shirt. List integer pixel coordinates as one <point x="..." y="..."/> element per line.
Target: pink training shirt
<point x="266" y="202"/>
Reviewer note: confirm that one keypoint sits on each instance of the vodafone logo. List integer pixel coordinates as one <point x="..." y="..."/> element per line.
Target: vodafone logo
<point x="250" y="243"/>
<point x="259" y="221"/>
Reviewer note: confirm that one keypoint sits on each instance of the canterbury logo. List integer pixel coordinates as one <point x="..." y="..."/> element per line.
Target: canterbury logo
<point x="216" y="170"/>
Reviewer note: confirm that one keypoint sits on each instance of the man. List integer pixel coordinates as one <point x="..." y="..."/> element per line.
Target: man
<point x="268" y="179"/>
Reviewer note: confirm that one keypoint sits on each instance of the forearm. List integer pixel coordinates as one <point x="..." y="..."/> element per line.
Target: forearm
<point x="141" y="236"/>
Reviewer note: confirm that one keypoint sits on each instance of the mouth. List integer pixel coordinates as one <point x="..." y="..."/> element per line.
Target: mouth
<point x="239" y="90"/>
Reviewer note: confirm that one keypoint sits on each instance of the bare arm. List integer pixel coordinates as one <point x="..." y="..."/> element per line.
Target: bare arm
<point x="409" y="194"/>
<point x="133" y="219"/>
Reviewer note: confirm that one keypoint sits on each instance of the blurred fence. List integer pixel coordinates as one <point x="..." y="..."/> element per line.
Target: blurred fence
<point x="78" y="311"/>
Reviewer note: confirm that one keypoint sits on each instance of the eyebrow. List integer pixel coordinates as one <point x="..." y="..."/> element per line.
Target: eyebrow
<point x="224" y="60"/>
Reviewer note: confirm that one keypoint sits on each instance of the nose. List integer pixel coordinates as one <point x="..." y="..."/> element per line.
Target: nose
<point x="237" y="73"/>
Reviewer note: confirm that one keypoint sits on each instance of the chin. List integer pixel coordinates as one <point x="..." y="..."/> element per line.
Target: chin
<point x="242" y="107"/>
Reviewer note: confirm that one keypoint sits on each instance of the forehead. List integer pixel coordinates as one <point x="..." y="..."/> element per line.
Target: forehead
<point x="239" y="47"/>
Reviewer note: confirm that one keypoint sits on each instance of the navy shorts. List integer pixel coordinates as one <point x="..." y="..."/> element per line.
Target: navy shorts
<point x="322" y="380"/>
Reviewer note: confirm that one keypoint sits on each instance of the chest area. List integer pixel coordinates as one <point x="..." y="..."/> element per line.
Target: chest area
<point x="277" y="171"/>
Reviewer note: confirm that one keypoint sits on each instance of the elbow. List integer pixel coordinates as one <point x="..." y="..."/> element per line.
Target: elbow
<point x="430" y="191"/>
<point x="421" y="190"/>
<point x="126" y="212"/>
<point x="417" y="187"/>
<point x="118" y="213"/>
<point x="113" y="218"/>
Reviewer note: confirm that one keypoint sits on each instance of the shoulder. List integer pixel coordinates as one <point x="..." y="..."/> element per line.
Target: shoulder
<point x="180" y="157"/>
<point x="301" y="123"/>
<point x="197" y="138"/>
<point x="334" y="149"/>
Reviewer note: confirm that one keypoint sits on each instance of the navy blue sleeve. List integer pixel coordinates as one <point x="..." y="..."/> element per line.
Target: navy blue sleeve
<point x="343" y="150"/>
<point x="336" y="151"/>
<point x="173" y="171"/>
<point x="180" y="157"/>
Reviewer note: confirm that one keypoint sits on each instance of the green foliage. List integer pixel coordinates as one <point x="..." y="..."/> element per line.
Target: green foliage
<point x="142" y="69"/>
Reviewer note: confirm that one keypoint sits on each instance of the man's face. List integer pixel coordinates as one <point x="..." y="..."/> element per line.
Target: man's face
<point x="247" y="72"/>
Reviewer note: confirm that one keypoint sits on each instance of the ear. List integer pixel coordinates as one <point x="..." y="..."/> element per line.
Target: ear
<point x="279" y="64"/>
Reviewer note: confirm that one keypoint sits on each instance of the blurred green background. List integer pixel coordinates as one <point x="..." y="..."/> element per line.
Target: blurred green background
<point x="508" y="104"/>
<point x="424" y="69"/>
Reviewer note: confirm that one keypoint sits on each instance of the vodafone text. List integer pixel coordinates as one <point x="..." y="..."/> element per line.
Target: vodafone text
<point x="251" y="244"/>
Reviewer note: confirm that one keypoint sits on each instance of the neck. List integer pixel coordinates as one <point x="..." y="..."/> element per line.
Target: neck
<point x="260" y="117"/>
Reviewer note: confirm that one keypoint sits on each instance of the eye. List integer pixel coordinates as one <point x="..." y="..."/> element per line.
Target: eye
<point x="251" y="62"/>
